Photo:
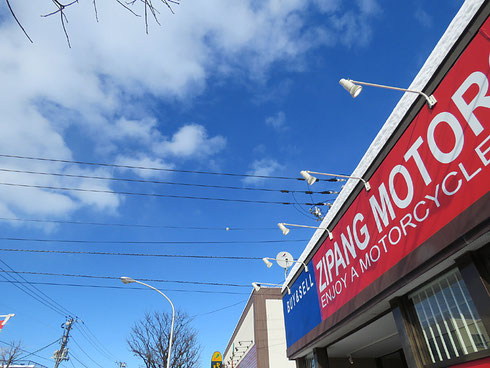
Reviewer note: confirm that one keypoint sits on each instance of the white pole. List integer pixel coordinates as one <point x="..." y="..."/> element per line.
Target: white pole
<point x="173" y="319"/>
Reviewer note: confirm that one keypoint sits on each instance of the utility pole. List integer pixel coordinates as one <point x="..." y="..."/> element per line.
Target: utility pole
<point x="62" y="354"/>
<point x="121" y="364"/>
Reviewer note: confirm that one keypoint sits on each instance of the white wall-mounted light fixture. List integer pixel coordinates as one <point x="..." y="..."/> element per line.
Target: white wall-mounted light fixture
<point x="258" y="285"/>
<point x="310" y="179"/>
<point x="349" y="358"/>
<point x="285" y="230"/>
<point x="267" y="262"/>
<point x="249" y="342"/>
<point x="354" y="88"/>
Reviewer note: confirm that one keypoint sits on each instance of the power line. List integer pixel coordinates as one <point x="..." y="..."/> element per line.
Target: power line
<point x="38" y="291"/>
<point x="158" y="195"/>
<point x="84" y="352"/>
<point x="219" y="309"/>
<point x="21" y="285"/>
<point x="81" y="241"/>
<point x="126" y="288"/>
<point x="224" y="228"/>
<point x="38" y="350"/>
<point x="118" y="278"/>
<point x="85" y="326"/>
<point x="94" y="345"/>
<point x="165" y="182"/>
<point x="25" y="351"/>
<point x="156" y="168"/>
<point x="78" y="360"/>
<point x="127" y="254"/>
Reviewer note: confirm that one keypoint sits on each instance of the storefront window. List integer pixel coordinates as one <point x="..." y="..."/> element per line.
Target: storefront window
<point x="451" y="326"/>
<point x="310" y="362"/>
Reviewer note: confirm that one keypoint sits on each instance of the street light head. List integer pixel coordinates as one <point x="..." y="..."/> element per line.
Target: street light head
<point x="127" y="280"/>
<point x="310" y="179"/>
<point x="256" y="286"/>
<point x="283" y="228"/>
<point x="352" y="88"/>
<point x="267" y="262"/>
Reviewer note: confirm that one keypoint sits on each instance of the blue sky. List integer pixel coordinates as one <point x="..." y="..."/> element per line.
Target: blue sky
<point x="222" y="86"/>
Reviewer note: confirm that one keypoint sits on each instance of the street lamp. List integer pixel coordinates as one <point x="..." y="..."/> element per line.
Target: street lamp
<point x="310" y="179"/>
<point x="129" y="280"/>
<point x="354" y="89"/>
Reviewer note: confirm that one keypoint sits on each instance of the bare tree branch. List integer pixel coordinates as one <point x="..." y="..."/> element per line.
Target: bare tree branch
<point x="95" y="10"/>
<point x="63" y="18"/>
<point x="10" y="354"/>
<point x="19" y="24"/>
<point x="128" y="8"/>
<point x="149" y="341"/>
<point x="149" y="7"/>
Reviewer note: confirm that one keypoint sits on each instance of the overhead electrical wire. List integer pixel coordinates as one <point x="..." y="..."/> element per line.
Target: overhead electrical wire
<point x="165" y="182"/>
<point x="93" y="344"/>
<point x="98" y="343"/>
<point x="224" y="228"/>
<point x="140" y="279"/>
<point x="33" y="291"/>
<point x="219" y="309"/>
<point x="84" y="352"/>
<point x="21" y="286"/>
<point x="126" y="288"/>
<point x="37" y="294"/>
<point x="156" y="168"/>
<point x="82" y="241"/>
<point x="77" y="359"/>
<point x="234" y="258"/>
<point x="38" y="350"/>
<point x="159" y="195"/>
<point x="25" y="351"/>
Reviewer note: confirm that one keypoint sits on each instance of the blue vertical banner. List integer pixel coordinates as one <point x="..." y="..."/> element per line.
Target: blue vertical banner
<point x="301" y="306"/>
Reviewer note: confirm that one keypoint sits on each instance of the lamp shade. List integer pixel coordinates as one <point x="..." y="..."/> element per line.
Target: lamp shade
<point x="127" y="280"/>
<point x="283" y="228"/>
<point x="267" y="262"/>
<point x="352" y="88"/>
<point x="309" y="178"/>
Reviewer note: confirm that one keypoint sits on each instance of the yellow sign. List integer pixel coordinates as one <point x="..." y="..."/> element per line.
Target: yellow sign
<point x="217" y="357"/>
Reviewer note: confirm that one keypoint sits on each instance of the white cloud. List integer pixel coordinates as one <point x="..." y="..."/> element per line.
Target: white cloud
<point x="262" y="167"/>
<point x="423" y="17"/>
<point x="354" y="27"/>
<point x="98" y="90"/>
<point x="144" y="162"/>
<point x="192" y="141"/>
<point x="369" y="7"/>
<point x="277" y="121"/>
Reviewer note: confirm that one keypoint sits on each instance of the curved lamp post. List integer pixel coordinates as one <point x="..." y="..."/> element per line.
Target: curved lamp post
<point x="129" y="280"/>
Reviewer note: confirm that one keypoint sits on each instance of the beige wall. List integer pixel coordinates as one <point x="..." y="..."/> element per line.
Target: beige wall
<point x="276" y="335"/>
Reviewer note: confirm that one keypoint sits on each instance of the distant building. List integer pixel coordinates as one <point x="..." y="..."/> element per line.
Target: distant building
<point x="25" y="364"/>
<point x="259" y="339"/>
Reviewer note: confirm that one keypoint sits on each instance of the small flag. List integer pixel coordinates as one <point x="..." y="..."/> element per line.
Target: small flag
<point x="4" y="319"/>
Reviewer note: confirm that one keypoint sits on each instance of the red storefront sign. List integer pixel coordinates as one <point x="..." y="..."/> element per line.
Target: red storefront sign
<point x="436" y="170"/>
<point x="481" y="363"/>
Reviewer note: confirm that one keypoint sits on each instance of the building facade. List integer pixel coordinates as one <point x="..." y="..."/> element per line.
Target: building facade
<point x="259" y="339"/>
<point x="404" y="280"/>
